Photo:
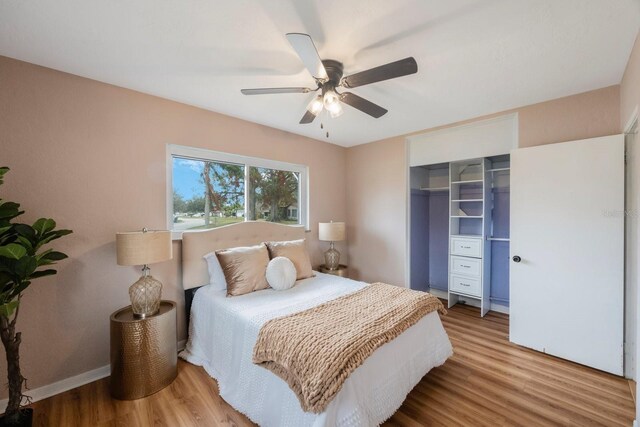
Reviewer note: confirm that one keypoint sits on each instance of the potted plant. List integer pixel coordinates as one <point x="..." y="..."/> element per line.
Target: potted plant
<point x="21" y="256"/>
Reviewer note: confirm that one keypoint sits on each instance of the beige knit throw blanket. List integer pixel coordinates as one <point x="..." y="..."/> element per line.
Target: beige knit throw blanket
<point x="315" y="350"/>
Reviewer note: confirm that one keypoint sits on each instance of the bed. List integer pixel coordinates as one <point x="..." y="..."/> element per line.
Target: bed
<point x="223" y="331"/>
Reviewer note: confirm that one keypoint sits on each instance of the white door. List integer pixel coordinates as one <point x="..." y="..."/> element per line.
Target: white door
<point x="567" y="232"/>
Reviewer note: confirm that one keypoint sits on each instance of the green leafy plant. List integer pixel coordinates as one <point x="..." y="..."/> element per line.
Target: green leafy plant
<point x="22" y="254"/>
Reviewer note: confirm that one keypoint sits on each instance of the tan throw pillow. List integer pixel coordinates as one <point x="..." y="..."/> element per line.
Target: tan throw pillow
<point x="244" y="268"/>
<point x="296" y="251"/>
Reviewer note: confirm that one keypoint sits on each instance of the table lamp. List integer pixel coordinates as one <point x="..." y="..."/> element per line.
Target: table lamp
<point x="332" y="232"/>
<point x="143" y="248"/>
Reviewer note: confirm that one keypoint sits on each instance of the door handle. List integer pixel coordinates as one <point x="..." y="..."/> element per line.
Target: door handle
<point x="516" y="258"/>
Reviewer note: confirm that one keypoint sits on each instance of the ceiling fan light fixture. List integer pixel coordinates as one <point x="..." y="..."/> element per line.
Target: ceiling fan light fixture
<point x="331" y="102"/>
<point x="331" y="98"/>
<point x="335" y="110"/>
<point x="315" y="106"/>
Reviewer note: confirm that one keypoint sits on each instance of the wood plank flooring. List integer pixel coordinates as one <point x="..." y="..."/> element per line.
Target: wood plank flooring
<point x="488" y="382"/>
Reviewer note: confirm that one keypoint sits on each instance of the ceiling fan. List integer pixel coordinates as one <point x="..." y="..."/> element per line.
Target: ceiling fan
<point x="328" y="76"/>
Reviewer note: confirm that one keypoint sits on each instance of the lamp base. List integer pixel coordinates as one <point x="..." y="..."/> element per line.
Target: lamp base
<point x="145" y="297"/>
<point x="332" y="258"/>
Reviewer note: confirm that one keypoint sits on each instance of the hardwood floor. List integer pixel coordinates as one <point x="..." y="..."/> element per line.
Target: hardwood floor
<point x="488" y="382"/>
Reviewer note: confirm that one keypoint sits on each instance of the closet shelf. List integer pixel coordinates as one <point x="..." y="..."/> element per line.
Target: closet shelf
<point x="469" y="181"/>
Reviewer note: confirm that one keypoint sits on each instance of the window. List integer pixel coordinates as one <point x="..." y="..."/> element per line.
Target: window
<point x="208" y="189"/>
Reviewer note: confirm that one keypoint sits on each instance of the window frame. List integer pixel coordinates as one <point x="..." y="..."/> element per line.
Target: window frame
<point x="204" y="154"/>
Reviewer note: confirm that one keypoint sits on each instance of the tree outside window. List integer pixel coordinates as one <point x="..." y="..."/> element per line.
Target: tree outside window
<point x="208" y="194"/>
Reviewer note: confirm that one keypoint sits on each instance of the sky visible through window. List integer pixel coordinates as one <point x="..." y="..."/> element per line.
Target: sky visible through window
<point x="186" y="177"/>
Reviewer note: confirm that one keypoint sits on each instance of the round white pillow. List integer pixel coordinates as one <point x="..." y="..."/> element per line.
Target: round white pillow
<point x="281" y="273"/>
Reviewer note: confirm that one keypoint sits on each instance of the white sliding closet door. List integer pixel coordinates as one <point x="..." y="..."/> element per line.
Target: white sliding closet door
<point x="567" y="229"/>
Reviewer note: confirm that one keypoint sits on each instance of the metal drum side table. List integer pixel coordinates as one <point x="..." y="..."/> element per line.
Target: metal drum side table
<point x="144" y="353"/>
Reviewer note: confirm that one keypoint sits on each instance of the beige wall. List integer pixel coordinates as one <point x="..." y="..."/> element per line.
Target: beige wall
<point x="376" y="210"/>
<point x="587" y="115"/>
<point x="92" y="156"/>
<point x="377" y="176"/>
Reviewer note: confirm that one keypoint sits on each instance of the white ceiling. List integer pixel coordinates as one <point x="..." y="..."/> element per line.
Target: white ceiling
<point x="474" y="57"/>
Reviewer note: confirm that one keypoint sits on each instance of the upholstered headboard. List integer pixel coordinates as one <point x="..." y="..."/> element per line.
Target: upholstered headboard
<point x="197" y="243"/>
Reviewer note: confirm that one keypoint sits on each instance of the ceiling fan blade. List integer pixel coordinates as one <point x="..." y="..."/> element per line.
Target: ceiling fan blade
<point x="272" y="90"/>
<point x="306" y="50"/>
<point x="363" y="105"/>
<point x="307" y="118"/>
<point x="392" y="70"/>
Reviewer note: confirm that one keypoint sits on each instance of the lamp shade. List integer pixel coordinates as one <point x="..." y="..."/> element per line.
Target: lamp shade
<point x="332" y="231"/>
<point x="143" y="247"/>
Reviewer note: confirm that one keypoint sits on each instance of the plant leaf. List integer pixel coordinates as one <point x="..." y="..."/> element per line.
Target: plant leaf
<point x="13" y="251"/>
<point x="54" y="256"/>
<point x="25" y="230"/>
<point x="3" y="171"/>
<point x="17" y="290"/>
<point x="49" y="257"/>
<point x="7" y="309"/>
<point x="9" y="210"/>
<point x="4" y="279"/>
<point x="55" y="234"/>
<point x="48" y="237"/>
<point x="43" y="273"/>
<point x="6" y="238"/>
<point x="26" y="243"/>
<point x="44" y="225"/>
<point x="25" y="266"/>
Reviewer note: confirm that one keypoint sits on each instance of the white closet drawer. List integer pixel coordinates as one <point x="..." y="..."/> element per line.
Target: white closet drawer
<point x="466" y="246"/>
<point x="466" y="266"/>
<point x="466" y="285"/>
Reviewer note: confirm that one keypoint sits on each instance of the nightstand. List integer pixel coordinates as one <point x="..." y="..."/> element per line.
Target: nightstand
<point x="144" y="353"/>
<point x="342" y="270"/>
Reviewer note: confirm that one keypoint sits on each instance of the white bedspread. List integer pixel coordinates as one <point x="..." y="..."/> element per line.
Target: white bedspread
<point x="223" y="331"/>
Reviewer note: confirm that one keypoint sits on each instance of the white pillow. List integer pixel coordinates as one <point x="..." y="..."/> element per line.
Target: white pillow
<point x="281" y="273"/>
<point x="216" y="275"/>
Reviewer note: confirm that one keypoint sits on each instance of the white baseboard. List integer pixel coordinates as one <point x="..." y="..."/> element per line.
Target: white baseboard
<point x="63" y="385"/>
<point x="470" y="301"/>
<point x="66" y="384"/>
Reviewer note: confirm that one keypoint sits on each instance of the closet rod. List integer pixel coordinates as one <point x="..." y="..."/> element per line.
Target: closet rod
<point x="498" y="169"/>
<point x="498" y="239"/>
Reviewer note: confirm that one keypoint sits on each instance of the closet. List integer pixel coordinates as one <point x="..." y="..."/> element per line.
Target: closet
<point x="460" y="231"/>
<point x="537" y="232"/>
